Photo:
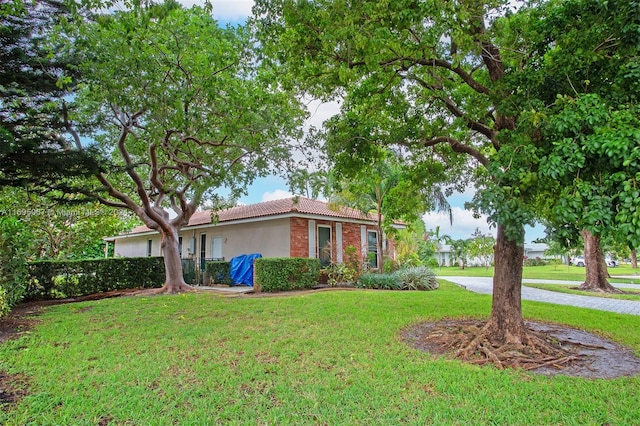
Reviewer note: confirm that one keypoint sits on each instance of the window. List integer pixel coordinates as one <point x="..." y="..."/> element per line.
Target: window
<point x="372" y="248"/>
<point x="149" y="247"/>
<point x="216" y="248"/>
<point x="180" y="246"/>
<point x="324" y="245"/>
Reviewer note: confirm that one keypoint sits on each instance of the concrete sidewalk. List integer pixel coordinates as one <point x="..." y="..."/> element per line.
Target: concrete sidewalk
<point x="485" y="286"/>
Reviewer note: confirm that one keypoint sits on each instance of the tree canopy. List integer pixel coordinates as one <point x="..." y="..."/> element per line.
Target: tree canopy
<point x="440" y="79"/>
<point x="35" y="149"/>
<point x="580" y="95"/>
<point x="182" y="108"/>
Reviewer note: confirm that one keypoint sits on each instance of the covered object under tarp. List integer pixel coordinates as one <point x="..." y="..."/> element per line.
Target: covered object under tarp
<point x="242" y="268"/>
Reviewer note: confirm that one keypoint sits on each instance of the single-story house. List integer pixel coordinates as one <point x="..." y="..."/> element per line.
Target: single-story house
<point x="531" y="251"/>
<point x="292" y="227"/>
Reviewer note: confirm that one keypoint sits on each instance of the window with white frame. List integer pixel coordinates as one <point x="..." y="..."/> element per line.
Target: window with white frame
<point x="324" y="245"/>
<point x="372" y="248"/>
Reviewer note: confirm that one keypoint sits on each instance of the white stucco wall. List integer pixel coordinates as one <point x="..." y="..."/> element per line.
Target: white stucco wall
<point x="269" y="238"/>
<point x="137" y="246"/>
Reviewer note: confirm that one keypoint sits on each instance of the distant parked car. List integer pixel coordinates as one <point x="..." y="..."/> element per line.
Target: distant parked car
<point x="577" y="260"/>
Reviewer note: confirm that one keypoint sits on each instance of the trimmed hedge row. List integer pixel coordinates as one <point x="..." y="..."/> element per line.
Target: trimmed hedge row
<point x="219" y="272"/>
<point x="73" y="278"/>
<point x="273" y="274"/>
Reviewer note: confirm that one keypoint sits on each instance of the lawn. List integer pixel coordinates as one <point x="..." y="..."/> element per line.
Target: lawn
<point x="548" y="272"/>
<point x="630" y="294"/>
<point x="330" y="357"/>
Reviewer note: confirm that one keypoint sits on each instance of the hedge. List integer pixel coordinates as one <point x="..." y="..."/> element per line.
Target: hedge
<point x="219" y="272"/>
<point x="285" y="273"/>
<point x="73" y="278"/>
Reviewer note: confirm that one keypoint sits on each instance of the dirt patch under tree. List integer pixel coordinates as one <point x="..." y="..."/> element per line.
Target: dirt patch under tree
<point x="584" y="354"/>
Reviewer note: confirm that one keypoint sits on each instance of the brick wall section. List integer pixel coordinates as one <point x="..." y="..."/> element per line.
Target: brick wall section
<point x="300" y="236"/>
<point x="351" y="237"/>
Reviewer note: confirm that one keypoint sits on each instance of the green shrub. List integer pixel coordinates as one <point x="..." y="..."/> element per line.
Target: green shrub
<point x="73" y="278"/>
<point x="219" y="272"/>
<point x="380" y="281"/>
<point x="432" y="262"/>
<point x="286" y="273"/>
<point x="15" y="240"/>
<point x="340" y="273"/>
<point x="417" y="278"/>
<point x="4" y="303"/>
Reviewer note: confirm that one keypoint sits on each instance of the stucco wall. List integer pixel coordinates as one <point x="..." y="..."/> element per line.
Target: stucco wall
<point x="137" y="246"/>
<point x="269" y="238"/>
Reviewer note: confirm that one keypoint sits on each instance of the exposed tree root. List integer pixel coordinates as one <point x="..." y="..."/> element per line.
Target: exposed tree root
<point x="469" y="342"/>
<point x="167" y="289"/>
<point x="607" y="288"/>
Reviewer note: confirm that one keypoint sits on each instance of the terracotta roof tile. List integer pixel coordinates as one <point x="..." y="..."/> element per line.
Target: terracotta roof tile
<point x="273" y="208"/>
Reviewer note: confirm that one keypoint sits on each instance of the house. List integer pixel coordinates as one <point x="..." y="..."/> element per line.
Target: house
<point x="531" y="251"/>
<point x="292" y="227"/>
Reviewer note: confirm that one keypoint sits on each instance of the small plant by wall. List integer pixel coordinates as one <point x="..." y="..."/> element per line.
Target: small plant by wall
<point x="285" y="273"/>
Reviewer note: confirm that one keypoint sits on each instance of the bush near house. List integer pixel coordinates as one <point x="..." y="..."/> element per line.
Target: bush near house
<point x="414" y="278"/>
<point x="273" y="274"/>
<point x="219" y="272"/>
<point x="380" y="281"/>
<point x="73" y="278"/>
<point x="418" y="278"/>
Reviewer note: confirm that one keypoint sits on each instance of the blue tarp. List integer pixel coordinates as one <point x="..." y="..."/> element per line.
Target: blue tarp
<point x="242" y="268"/>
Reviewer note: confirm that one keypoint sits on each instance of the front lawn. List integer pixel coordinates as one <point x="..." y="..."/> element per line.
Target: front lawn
<point x="331" y="357"/>
<point x="548" y="272"/>
<point x="630" y="294"/>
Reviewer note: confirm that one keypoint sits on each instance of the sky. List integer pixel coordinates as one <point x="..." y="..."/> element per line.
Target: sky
<point x="272" y="187"/>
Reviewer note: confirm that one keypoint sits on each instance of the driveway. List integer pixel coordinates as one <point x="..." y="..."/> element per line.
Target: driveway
<point x="485" y="286"/>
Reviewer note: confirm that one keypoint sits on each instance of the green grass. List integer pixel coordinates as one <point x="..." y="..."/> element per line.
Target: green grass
<point x="549" y="272"/>
<point x="630" y="294"/>
<point x="323" y="358"/>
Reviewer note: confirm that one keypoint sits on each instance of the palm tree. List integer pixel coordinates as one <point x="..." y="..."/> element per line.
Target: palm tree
<point x="389" y="191"/>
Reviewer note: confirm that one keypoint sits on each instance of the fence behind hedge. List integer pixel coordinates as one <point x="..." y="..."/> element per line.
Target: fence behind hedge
<point x="73" y="278"/>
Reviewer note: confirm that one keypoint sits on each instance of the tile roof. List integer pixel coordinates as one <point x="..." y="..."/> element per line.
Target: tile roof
<point x="300" y="205"/>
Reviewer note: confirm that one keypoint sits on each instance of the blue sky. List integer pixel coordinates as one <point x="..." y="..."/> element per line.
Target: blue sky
<point x="271" y="188"/>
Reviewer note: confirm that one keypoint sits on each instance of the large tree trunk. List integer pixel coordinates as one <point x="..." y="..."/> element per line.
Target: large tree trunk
<point x="506" y="325"/>
<point x="174" y="280"/>
<point x="596" y="267"/>
<point x="634" y="259"/>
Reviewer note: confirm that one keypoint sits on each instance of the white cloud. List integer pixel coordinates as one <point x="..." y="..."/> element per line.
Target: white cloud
<point x="278" y="194"/>
<point x="319" y="112"/>
<point x="464" y="224"/>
